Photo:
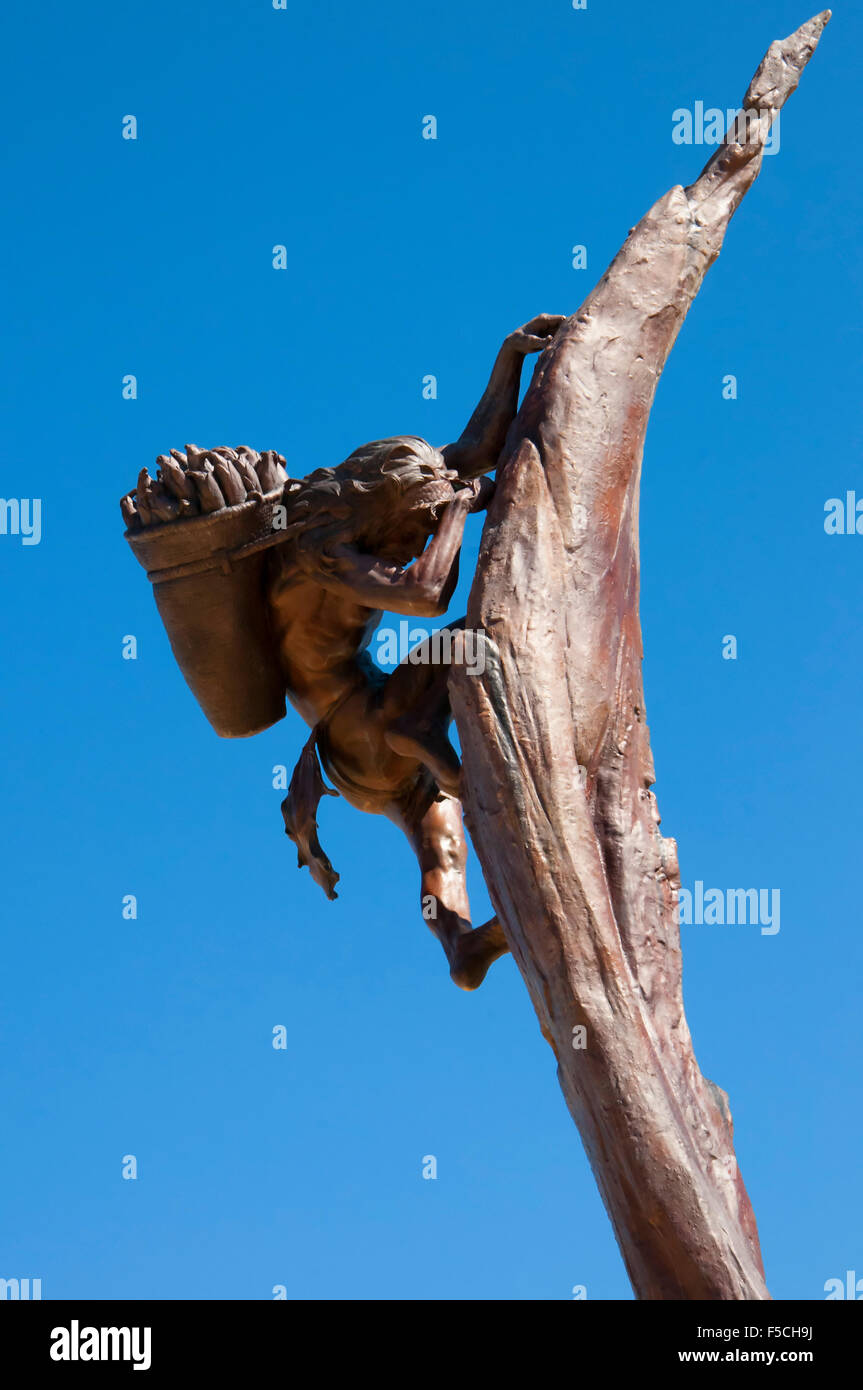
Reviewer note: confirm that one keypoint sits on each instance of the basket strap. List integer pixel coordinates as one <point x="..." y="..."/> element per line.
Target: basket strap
<point x="223" y="560"/>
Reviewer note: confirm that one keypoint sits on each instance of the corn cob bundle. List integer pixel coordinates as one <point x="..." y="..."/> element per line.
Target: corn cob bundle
<point x="199" y="482"/>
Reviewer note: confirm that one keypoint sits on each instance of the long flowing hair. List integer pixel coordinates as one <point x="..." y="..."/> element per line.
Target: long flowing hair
<point x="356" y="500"/>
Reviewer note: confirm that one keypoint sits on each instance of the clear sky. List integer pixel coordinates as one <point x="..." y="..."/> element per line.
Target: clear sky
<point x="153" y="1037"/>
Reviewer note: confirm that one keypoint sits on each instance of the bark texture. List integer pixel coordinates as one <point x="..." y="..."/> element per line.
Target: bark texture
<point x="557" y="760"/>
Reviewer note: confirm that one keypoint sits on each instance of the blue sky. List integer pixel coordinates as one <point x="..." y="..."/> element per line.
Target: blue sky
<point x="153" y="1037"/>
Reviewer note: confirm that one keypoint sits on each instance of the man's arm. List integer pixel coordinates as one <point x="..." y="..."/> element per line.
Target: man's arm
<point x="421" y="590"/>
<point x="478" y="449"/>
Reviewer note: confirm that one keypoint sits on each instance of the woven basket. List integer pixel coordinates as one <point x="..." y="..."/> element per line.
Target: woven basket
<point x="208" y="576"/>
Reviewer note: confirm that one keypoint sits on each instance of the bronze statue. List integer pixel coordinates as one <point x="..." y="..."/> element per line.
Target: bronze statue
<point x="558" y="768"/>
<point x="380" y="532"/>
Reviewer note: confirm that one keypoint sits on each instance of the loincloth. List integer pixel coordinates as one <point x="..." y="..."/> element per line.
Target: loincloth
<point x="405" y="803"/>
<point x="413" y="796"/>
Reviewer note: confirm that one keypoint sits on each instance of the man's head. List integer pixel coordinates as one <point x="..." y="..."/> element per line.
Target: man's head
<point x="386" y="498"/>
<point x="413" y="517"/>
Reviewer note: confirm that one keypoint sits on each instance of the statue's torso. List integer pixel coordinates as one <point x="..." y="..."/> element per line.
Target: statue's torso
<point x="321" y="639"/>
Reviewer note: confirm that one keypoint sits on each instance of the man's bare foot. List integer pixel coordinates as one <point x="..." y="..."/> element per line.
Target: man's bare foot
<point x="471" y="954"/>
<point x="429" y="745"/>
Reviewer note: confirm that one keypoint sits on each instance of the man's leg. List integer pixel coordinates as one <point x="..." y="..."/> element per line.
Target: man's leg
<point x="438" y="839"/>
<point x="416" y="708"/>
